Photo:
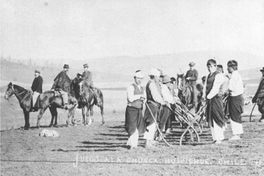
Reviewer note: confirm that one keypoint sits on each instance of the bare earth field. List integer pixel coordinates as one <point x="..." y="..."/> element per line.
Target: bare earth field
<point x="101" y="150"/>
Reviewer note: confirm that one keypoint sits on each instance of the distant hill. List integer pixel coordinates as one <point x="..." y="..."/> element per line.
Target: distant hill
<point x="172" y="64"/>
<point x="118" y="71"/>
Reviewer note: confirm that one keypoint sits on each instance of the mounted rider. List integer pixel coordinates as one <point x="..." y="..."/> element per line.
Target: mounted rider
<point x="88" y="81"/>
<point x="259" y="95"/>
<point x="191" y="77"/>
<point x="62" y="85"/>
<point x="36" y="89"/>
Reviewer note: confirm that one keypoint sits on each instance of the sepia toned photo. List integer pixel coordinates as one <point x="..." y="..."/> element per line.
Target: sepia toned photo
<point x="132" y="87"/>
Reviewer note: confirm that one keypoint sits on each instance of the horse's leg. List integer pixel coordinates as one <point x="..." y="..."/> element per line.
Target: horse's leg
<point x="102" y="113"/>
<point x="41" y="112"/>
<point x="26" y="117"/>
<point x="88" y="116"/>
<point x="72" y="114"/>
<point x="52" y="116"/>
<point x="83" y="114"/>
<point x="91" y="115"/>
<point x="55" y="114"/>
<point x="70" y="119"/>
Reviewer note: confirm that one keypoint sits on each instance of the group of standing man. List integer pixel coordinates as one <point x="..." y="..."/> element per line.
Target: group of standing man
<point x="160" y="97"/>
<point x="61" y="84"/>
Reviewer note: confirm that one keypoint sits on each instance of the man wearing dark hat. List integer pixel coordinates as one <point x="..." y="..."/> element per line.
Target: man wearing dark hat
<point x="36" y="88"/>
<point x="87" y="75"/>
<point x="236" y="101"/>
<point x="87" y="78"/>
<point x="259" y="96"/>
<point x="191" y="77"/>
<point x="62" y="84"/>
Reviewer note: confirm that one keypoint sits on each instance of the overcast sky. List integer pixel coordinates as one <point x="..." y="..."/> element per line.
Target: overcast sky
<point x="84" y="29"/>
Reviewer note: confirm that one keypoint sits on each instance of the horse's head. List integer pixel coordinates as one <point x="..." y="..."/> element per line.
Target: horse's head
<point x="10" y="91"/>
<point x="76" y="85"/>
<point x="180" y="81"/>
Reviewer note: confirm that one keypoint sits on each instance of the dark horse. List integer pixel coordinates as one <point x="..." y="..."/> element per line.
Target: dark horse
<point x="44" y="101"/>
<point x="260" y="103"/>
<point x="185" y="92"/>
<point x="87" y="98"/>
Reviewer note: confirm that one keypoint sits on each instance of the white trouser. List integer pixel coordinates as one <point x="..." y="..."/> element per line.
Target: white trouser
<point x="149" y="135"/>
<point x="133" y="139"/>
<point x="217" y="132"/>
<point x="35" y="96"/>
<point x="237" y="128"/>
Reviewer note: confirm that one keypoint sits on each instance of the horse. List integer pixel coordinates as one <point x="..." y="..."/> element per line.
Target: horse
<point x="87" y="98"/>
<point x="184" y="91"/>
<point x="260" y="104"/>
<point x="44" y="101"/>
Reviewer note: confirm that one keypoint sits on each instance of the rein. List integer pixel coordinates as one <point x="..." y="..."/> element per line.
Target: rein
<point x="17" y="94"/>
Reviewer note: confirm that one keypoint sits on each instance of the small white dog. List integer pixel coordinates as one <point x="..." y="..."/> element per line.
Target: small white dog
<point x="49" y="133"/>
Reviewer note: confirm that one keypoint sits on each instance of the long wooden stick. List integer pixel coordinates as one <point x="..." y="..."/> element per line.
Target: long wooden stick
<point x="157" y="126"/>
<point x="252" y="112"/>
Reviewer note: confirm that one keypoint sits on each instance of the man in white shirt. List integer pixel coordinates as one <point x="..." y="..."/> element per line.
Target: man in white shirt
<point x="134" y="123"/>
<point x="154" y="103"/>
<point x="167" y="93"/>
<point x="236" y="100"/>
<point x="214" y="110"/>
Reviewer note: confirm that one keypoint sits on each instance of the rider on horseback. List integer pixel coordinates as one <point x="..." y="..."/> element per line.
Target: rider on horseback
<point x="87" y="78"/>
<point x="62" y="85"/>
<point x="192" y="76"/>
<point x="36" y="88"/>
<point x="259" y="95"/>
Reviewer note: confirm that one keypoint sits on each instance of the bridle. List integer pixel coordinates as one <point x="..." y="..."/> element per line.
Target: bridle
<point x="17" y="94"/>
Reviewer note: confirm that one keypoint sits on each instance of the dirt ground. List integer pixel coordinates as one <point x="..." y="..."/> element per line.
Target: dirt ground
<point x="101" y="150"/>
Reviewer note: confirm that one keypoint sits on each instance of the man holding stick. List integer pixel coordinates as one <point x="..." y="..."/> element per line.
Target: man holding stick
<point x="154" y="103"/>
<point x="134" y="123"/>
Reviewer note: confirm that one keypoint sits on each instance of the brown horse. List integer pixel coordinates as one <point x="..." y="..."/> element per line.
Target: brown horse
<point x="87" y="98"/>
<point x="44" y="101"/>
<point x="184" y="91"/>
<point x="260" y="103"/>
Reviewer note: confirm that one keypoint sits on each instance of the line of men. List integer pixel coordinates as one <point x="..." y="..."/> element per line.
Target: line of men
<point x="61" y="84"/>
<point x="159" y="98"/>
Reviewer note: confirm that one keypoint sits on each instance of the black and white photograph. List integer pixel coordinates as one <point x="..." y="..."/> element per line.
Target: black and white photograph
<point x="132" y="87"/>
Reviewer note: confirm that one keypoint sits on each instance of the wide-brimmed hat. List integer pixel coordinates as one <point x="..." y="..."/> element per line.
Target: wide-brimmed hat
<point x="191" y="64"/>
<point x="85" y="65"/>
<point x="154" y="72"/>
<point x="37" y="71"/>
<point x="262" y="69"/>
<point x="166" y="79"/>
<point x="66" y="66"/>
<point x="139" y="74"/>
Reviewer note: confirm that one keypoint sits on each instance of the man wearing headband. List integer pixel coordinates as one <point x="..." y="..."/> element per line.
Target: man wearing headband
<point x="134" y="123"/>
<point x="236" y="100"/>
<point x="36" y="88"/>
<point x="214" y="110"/>
<point x="62" y="84"/>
